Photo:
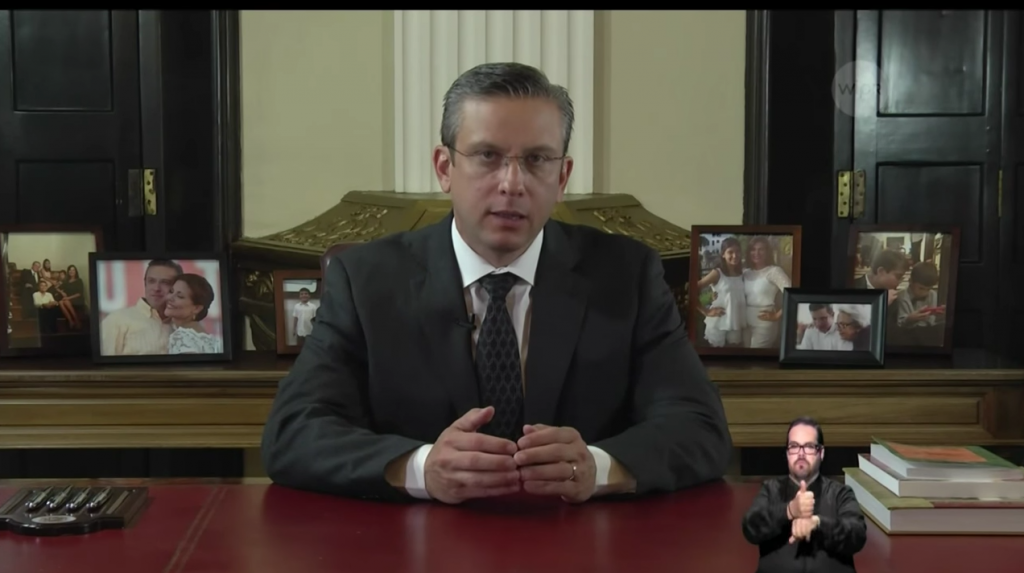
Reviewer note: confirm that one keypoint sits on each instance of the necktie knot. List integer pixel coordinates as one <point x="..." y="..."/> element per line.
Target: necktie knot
<point x="498" y="285"/>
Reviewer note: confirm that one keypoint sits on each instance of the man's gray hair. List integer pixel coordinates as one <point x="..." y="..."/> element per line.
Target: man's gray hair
<point x="504" y="79"/>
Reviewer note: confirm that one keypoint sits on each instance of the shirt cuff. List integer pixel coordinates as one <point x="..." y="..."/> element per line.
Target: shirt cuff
<point x="603" y="465"/>
<point x="415" y="482"/>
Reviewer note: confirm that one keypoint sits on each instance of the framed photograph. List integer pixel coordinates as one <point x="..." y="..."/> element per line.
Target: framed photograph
<point x="737" y="277"/>
<point x="917" y="265"/>
<point x="833" y="328"/>
<point x="297" y="297"/>
<point x="160" y="307"/>
<point x="45" y="307"/>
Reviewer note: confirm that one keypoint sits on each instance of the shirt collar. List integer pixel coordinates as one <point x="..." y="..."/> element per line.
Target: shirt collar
<point x="473" y="267"/>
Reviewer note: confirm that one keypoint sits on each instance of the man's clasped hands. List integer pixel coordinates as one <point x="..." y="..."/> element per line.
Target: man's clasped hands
<point x="464" y="464"/>
<point x="801" y="512"/>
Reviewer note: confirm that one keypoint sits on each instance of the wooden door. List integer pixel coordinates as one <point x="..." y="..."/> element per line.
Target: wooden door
<point x="927" y="137"/>
<point x="1012" y="221"/>
<point x="70" y="126"/>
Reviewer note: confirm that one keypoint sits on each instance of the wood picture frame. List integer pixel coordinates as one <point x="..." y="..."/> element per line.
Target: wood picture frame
<point x="781" y="244"/>
<point x="873" y="247"/>
<point x="286" y="300"/>
<point x="61" y="327"/>
<point x="852" y="328"/>
<point x="134" y="295"/>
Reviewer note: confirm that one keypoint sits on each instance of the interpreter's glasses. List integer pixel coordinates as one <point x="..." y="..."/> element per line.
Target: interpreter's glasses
<point x="804" y="448"/>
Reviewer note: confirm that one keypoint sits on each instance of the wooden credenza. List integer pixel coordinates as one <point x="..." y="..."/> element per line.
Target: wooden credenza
<point x="67" y="404"/>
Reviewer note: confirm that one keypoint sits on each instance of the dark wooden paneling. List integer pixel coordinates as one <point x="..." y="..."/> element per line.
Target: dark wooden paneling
<point x="928" y="140"/>
<point x="68" y="463"/>
<point x="62" y="60"/>
<point x="936" y="195"/>
<point x="70" y="119"/>
<point x="799" y="161"/>
<point x="932" y="62"/>
<point x="1012" y="224"/>
<point x="40" y="186"/>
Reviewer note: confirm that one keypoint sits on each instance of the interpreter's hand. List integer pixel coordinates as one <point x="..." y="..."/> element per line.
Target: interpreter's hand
<point x="465" y="464"/>
<point x="803" y="527"/>
<point x="893" y="293"/>
<point x="802" y="505"/>
<point x="556" y="461"/>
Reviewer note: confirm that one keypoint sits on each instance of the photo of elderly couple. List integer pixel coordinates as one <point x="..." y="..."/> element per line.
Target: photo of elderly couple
<point x="826" y="326"/>
<point x="159" y="307"/>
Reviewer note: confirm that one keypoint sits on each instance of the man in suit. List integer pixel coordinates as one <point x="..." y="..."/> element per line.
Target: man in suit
<point x="497" y="351"/>
<point x="29" y="286"/>
<point x="805" y="521"/>
<point x="886" y="273"/>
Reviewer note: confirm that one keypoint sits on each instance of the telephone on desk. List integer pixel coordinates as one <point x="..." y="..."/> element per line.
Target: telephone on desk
<point x="70" y="510"/>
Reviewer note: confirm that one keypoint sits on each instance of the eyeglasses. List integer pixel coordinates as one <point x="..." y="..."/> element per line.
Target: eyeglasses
<point x="804" y="448"/>
<point x="537" y="165"/>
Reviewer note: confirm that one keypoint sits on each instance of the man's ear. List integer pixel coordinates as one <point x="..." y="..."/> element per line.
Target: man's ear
<point x="443" y="167"/>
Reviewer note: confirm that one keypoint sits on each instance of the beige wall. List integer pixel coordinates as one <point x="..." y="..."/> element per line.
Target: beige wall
<point x="317" y="100"/>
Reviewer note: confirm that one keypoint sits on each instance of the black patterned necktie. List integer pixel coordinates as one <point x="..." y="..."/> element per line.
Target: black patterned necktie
<point x="498" y="369"/>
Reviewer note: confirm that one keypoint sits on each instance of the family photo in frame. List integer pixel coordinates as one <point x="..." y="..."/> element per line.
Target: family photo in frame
<point x="738" y="274"/>
<point x="833" y="327"/>
<point x="297" y="298"/>
<point x="160" y="308"/>
<point x="917" y="266"/>
<point x="46" y="307"/>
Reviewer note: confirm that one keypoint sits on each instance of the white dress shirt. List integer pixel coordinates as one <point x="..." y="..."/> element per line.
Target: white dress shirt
<point x="815" y="339"/>
<point x="473" y="267"/>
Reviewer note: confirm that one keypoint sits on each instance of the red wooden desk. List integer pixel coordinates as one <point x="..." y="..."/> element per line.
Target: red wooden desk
<point x="209" y="528"/>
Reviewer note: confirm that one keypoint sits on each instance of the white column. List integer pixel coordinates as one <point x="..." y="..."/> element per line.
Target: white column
<point x="432" y="47"/>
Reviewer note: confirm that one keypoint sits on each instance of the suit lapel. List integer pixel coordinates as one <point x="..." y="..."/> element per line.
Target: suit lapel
<point x="559" y="303"/>
<point x="443" y="317"/>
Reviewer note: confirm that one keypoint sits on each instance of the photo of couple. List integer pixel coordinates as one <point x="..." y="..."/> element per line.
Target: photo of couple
<point x="159" y="307"/>
<point x="843" y="327"/>
<point x="736" y="295"/>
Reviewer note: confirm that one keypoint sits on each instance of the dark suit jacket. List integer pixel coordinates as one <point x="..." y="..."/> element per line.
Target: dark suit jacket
<point x="841" y="533"/>
<point x="388" y="365"/>
<point x="892" y="328"/>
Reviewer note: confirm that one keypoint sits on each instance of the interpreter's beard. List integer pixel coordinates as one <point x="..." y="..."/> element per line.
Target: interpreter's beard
<point x="803" y="469"/>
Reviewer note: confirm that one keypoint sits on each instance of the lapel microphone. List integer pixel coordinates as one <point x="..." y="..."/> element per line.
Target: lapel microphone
<point x="469" y="323"/>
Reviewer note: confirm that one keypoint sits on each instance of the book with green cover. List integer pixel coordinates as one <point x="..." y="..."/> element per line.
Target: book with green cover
<point x="951" y="455"/>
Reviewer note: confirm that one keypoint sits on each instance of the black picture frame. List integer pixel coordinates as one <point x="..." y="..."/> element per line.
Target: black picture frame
<point x="223" y="300"/>
<point x="59" y="345"/>
<point x="872" y="357"/>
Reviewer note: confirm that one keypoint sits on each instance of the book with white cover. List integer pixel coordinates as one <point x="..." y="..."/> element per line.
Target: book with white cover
<point x="939" y="489"/>
<point x="991" y="467"/>
<point x="917" y="515"/>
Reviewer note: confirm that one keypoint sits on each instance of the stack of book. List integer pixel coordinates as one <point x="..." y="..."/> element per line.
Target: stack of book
<point x="957" y="490"/>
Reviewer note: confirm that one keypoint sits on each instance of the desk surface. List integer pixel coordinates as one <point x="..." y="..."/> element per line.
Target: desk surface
<point x="209" y="528"/>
